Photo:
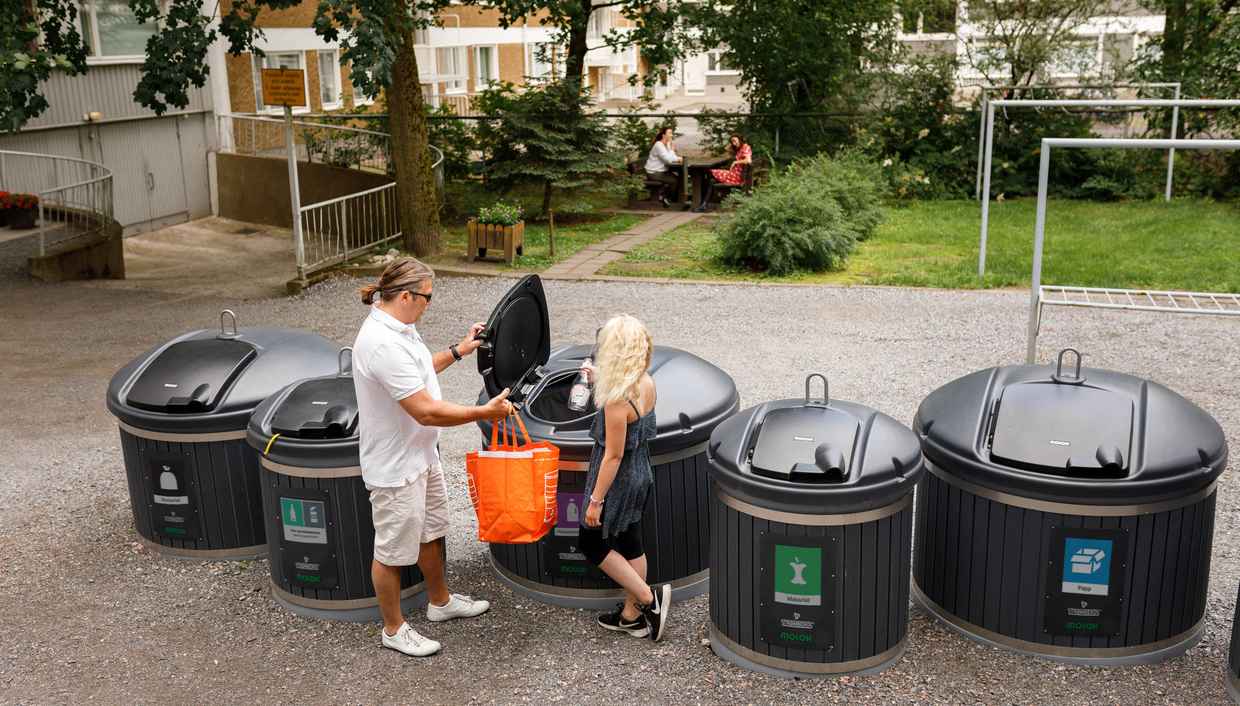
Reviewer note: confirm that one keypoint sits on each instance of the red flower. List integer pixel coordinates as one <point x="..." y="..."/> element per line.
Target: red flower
<point x="22" y="201"/>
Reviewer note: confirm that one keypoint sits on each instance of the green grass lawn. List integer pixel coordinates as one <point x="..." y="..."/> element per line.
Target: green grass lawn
<point x="1192" y="245"/>
<point x="569" y="238"/>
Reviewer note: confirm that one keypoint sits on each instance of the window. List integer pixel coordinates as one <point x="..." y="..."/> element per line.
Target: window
<point x="329" y="79"/>
<point x="111" y="31"/>
<point x="715" y="63"/>
<point x="274" y="60"/>
<point x="541" y="60"/>
<point x="1077" y="58"/>
<point x="452" y="68"/>
<point x="486" y="66"/>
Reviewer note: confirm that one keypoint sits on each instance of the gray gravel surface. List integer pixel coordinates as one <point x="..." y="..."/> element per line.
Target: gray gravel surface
<point x="87" y="614"/>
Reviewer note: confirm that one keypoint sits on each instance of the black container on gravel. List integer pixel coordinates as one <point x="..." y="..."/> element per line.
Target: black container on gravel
<point x="183" y="407"/>
<point x="1068" y="515"/>
<point x="693" y="397"/>
<point x="811" y="515"/>
<point x="315" y="502"/>
<point x="1233" y="657"/>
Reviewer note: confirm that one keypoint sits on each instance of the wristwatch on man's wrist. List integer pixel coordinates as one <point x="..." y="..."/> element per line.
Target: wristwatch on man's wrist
<point x="455" y="353"/>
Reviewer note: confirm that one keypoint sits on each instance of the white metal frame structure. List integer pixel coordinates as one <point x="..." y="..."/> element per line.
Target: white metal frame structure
<point x="987" y="90"/>
<point x="989" y="119"/>
<point x="1211" y="303"/>
<point x="75" y="195"/>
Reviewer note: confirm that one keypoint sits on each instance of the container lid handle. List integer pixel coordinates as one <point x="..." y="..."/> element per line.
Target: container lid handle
<point x="826" y="394"/>
<point x="1076" y="378"/>
<point x="223" y="330"/>
<point x="345" y="369"/>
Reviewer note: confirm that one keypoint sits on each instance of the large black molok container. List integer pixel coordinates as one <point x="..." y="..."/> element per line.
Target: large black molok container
<point x="693" y="397"/>
<point x="183" y="408"/>
<point x="811" y="517"/>
<point x="315" y="503"/>
<point x="1067" y="514"/>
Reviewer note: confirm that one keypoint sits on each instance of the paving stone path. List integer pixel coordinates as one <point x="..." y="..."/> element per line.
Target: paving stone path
<point x="595" y="257"/>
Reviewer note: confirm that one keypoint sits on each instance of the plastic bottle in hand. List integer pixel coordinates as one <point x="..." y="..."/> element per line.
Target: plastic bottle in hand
<point x="579" y="396"/>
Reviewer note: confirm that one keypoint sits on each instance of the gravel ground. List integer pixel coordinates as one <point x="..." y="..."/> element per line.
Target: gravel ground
<point x="89" y="615"/>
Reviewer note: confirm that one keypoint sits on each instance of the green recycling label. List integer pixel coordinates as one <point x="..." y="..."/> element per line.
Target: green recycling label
<point x="303" y="520"/>
<point x="798" y="575"/>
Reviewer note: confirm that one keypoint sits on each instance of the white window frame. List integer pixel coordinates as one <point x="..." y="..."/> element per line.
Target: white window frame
<point x="318" y="58"/>
<point x="479" y="83"/>
<point x="92" y="38"/>
<point x="1057" y="70"/>
<point x="553" y="70"/>
<point x="457" y="82"/>
<point x="717" y="56"/>
<point x="259" y="63"/>
<point x="359" y="98"/>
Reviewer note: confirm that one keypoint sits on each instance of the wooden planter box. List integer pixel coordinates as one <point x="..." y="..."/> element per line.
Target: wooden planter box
<point x="484" y="236"/>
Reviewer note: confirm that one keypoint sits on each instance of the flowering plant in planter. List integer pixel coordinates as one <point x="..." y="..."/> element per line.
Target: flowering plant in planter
<point x="500" y="214"/>
<point x="4" y="208"/>
<point x="22" y="210"/>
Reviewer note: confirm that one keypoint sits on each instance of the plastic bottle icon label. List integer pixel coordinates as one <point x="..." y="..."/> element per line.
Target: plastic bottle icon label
<point x="304" y="521"/>
<point x="798" y="575"/>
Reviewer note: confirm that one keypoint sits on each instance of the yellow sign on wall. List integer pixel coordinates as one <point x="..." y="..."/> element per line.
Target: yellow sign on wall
<point x="284" y="87"/>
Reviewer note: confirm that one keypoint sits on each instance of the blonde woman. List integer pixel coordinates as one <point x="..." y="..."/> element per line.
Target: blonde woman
<point x="620" y="477"/>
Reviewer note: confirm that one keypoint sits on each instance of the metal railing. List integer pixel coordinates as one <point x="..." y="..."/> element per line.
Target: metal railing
<point x="335" y="230"/>
<point x="339" y="229"/>
<point x="75" y="195"/>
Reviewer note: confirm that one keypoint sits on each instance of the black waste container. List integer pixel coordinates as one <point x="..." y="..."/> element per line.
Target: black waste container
<point x="811" y="517"/>
<point x="1067" y="514"/>
<point x="1233" y="657"/>
<point x="316" y="505"/>
<point x="693" y="397"/>
<point x="183" y="408"/>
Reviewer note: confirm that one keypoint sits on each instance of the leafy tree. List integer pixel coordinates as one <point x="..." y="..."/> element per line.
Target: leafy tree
<point x="1200" y="47"/>
<point x="1021" y="40"/>
<point x="376" y="38"/>
<point x="795" y="55"/>
<point x="545" y="135"/>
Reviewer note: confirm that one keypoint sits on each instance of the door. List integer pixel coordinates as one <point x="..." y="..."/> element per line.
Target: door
<point x="164" y="172"/>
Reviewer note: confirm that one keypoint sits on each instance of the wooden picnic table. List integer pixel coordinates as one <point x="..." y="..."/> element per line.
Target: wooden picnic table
<point x="697" y="169"/>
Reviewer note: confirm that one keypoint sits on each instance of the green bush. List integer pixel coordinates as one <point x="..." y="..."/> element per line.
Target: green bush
<point x="500" y="214"/>
<point x="808" y="217"/>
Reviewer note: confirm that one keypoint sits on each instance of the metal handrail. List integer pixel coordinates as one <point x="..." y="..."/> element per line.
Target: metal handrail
<point x="323" y="126"/>
<point x="346" y="197"/>
<point x="85" y="214"/>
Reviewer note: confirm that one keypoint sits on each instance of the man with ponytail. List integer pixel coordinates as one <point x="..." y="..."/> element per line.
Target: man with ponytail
<point x="400" y="410"/>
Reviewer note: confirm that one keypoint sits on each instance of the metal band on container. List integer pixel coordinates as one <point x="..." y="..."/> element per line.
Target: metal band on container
<point x="347" y="604"/>
<point x="789" y="665"/>
<point x="1128" y="655"/>
<point x="302" y="472"/>
<point x="1071" y="508"/>
<point x="654" y="460"/>
<point x="797" y="518"/>
<point x="182" y="438"/>
<point x="569" y="592"/>
<point x="253" y="552"/>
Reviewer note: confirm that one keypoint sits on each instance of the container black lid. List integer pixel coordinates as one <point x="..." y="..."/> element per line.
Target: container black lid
<point x="313" y="422"/>
<point x="517" y="339"/>
<point x="1083" y="436"/>
<point x="693" y="397"/>
<point x="815" y="456"/>
<point x="211" y="380"/>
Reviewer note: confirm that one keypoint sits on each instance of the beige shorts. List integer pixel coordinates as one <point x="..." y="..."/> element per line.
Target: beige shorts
<point x="408" y="516"/>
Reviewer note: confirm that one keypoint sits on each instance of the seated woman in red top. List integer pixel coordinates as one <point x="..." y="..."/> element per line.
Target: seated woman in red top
<point x="742" y="158"/>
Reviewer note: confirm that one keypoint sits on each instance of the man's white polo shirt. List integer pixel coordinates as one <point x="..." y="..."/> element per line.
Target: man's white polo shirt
<point x="390" y="363"/>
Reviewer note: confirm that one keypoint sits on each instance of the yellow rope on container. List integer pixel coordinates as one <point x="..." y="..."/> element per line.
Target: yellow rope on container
<point x="269" y="443"/>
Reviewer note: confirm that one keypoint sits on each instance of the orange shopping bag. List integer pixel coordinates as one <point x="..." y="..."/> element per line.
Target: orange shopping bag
<point x="512" y="487"/>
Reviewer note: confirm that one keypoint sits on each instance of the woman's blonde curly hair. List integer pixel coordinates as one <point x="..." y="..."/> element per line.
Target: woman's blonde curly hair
<point x="624" y="347"/>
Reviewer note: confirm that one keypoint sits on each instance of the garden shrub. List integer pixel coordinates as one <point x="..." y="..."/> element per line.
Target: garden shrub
<point x="807" y="217"/>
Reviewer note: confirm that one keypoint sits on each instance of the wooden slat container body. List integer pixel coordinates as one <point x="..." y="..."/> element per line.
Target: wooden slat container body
<point x="984" y="567"/>
<point x="870" y="600"/>
<point x="675" y="536"/>
<point x="213" y="488"/>
<point x="337" y="584"/>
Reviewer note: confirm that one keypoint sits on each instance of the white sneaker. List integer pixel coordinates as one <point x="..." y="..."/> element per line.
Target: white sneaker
<point x="408" y="640"/>
<point x="458" y="606"/>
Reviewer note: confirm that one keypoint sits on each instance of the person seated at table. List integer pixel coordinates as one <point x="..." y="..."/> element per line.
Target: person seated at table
<point x="658" y="165"/>
<point x="742" y="158"/>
